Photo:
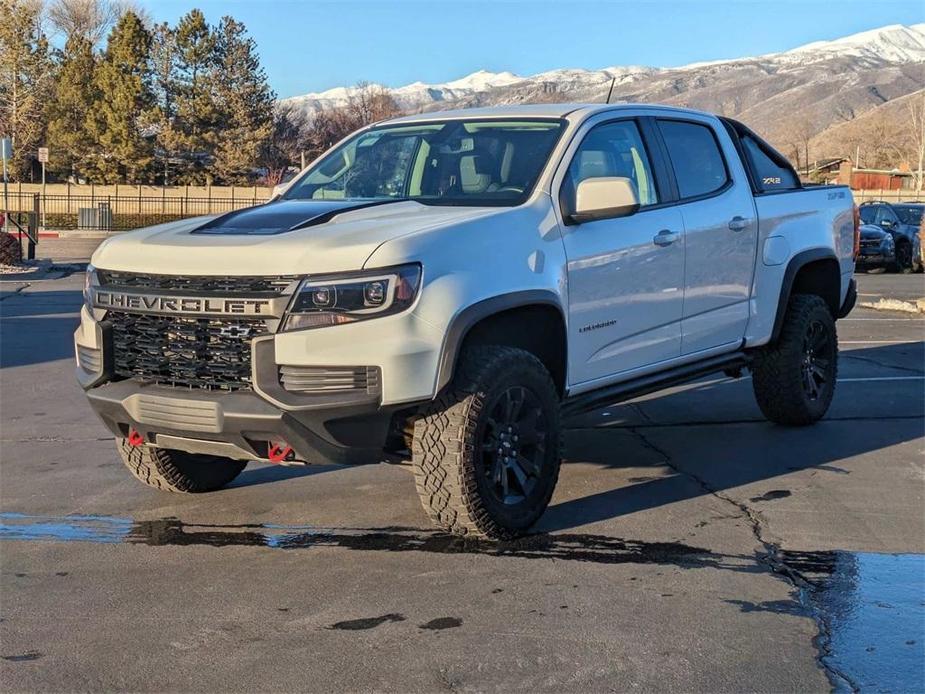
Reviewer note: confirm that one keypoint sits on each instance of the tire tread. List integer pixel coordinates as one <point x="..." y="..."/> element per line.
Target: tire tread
<point x="444" y="439"/>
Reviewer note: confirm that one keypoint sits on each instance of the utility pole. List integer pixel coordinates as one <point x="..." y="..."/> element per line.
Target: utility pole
<point x="6" y="151"/>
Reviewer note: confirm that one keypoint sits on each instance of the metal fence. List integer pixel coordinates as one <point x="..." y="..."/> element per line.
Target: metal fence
<point x="120" y="212"/>
<point x="58" y="212"/>
<point x="888" y="195"/>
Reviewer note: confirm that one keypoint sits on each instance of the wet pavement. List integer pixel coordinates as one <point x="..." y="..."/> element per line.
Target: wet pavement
<point x="690" y="546"/>
<point x="871" y="610"/>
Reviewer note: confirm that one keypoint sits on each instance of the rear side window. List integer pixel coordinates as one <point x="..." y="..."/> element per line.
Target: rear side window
<point x="770" y="175"/>
<point x="698" y="164"/>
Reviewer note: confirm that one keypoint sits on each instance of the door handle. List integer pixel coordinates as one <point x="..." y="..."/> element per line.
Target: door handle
<point x="738" y="223"/>
<point x="665" y="237"/>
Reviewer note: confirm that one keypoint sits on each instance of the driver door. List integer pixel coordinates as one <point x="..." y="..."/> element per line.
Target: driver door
<point x="625" y="275"/>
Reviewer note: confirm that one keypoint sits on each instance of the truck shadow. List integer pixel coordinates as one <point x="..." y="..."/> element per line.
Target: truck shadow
<point x="712" y="437"/>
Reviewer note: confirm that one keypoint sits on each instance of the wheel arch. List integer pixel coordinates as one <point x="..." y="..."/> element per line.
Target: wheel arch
<point x="532" y="320"/>
<point x="814" y="271"/>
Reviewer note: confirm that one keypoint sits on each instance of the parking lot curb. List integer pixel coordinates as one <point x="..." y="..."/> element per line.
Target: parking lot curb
<point x="915" y="306"/>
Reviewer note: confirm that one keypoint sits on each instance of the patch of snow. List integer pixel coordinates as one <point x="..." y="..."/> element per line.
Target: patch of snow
<point x="890" y="44"/>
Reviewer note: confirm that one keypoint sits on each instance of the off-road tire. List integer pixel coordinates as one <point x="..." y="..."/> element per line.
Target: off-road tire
<point x="777" y="370"/>
<point x="448" y="463"/>
<point x="177" y="471"/>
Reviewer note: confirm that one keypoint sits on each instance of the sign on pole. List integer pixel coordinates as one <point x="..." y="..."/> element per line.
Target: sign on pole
<point x="43" y="159"/>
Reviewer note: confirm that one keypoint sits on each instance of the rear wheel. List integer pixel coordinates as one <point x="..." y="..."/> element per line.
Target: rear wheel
<point x="794" y="379"/>
<point x="177" y="471"/>
<point x="486" y="453"/>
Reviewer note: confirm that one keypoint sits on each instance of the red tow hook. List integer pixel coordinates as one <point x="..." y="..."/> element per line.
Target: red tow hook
<point x="135" y="438"/>
<point x="278" y="453"/>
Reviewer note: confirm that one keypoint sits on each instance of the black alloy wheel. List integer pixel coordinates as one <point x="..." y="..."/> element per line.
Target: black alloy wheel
<point x="513" y="444"/>
<point x="818" y="353"/>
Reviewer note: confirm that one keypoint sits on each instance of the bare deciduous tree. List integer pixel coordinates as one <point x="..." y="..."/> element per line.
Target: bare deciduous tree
<point x="366" y="104"/>
<point x="917" y="139"/>
<point x="89" y="19"/>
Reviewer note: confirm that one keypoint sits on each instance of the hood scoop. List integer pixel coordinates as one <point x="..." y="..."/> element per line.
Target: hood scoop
<point x="281" y="216"/>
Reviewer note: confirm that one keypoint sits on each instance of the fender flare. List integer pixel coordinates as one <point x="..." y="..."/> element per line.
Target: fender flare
<point x="464" y="320"/>
<point x="796" y="263"/>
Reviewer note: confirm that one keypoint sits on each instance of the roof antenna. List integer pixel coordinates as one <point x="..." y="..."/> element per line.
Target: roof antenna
<point x="610" y="92"/>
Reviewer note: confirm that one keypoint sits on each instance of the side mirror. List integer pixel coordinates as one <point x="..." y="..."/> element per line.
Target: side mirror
<point x="886" y="224"/>
<point x="605" y="197"/>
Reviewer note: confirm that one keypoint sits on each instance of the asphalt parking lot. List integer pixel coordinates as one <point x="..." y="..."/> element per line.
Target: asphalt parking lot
<point x="690" y="546"/>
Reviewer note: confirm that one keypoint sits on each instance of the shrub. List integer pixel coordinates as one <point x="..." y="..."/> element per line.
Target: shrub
<point x="10" y="249"/>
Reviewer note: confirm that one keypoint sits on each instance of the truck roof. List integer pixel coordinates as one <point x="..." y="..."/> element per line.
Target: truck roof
<point x="531" y="111"/>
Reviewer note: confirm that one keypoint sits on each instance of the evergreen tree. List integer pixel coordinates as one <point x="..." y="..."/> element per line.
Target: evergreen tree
<point x="245" y="105"/>
<point x="71" y="108"/>
<point x="196" y="115"/>
<point x="25" y="78"/>
<point x="124" y="103"/>
<point x="168" y="140"/>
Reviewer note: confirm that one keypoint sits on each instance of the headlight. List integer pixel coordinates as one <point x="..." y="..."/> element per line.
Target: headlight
<point x="338" y="299"/>
<point x="90" y="280"/>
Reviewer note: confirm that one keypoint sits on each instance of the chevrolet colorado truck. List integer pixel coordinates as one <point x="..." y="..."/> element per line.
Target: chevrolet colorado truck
<point x="451" y="286"/>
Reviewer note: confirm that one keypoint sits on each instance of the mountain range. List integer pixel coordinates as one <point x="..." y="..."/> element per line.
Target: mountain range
<point x="791" y="97"/>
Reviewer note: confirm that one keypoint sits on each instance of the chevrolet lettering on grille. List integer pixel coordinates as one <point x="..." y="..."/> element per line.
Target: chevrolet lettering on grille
<point x="188" y="305"/>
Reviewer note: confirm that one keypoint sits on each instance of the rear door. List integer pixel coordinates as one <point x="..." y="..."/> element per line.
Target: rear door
<point x="625" y="275"/>
<point x="721" y="231"/>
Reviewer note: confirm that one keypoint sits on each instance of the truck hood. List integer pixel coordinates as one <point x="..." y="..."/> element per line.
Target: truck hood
<point x="286" y="237"/>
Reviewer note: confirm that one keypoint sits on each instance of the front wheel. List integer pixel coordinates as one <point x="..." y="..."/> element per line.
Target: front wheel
<point x="904" y="261"/>
<point x="486" y="452"/>
<point x="177" y="471"/>
<point x="794" y="379"/>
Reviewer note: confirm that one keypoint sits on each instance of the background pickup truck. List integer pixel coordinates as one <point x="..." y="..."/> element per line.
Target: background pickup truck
<point x="451" y="286"/>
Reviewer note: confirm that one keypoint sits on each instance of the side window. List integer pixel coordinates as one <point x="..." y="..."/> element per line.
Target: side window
<point x="613" y="149"/>
<point x="885" y="214"/>
<point x="695" y="156"/>
<point x="769" y="174"/>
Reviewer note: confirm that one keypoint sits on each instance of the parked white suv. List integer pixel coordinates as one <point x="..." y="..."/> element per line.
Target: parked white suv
<point x="454" y="284"/>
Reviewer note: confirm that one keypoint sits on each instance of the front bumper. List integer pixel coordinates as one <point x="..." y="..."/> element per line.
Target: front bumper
<point x="239" y="424"/>
<point x="875" y="258"/>
<point x="341" y="427"/>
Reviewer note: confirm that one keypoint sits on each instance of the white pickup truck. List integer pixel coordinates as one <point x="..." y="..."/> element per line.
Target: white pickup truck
<point x="450" y="286"/>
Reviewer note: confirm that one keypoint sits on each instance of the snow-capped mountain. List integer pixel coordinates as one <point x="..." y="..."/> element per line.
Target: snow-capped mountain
<point x="814" y="86"/>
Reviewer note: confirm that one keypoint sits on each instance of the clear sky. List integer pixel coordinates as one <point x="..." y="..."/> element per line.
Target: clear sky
<point x="312" y="45"/>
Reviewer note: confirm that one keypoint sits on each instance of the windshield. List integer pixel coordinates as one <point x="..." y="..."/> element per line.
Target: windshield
<point x="868" y="214"/>
<point x="477" y="162"/>
<point x="910" y="214"/>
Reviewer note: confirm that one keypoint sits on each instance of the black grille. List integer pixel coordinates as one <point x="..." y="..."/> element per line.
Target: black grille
<point x="214" y="354"/>
<point x="131" y="280"/>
